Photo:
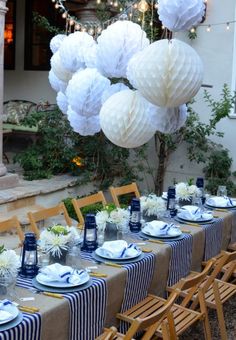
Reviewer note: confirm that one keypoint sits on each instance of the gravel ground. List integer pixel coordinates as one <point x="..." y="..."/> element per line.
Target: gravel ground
<point x="196" y="332"/>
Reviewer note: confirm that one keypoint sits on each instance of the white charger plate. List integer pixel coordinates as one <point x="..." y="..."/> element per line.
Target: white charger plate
<point x="161" y="235"/>
<point x="40" y="278"/>
<point x="220" y="207"/>
<point x="99" y="253"/>
<point x="13" y="310"/>
<point x="195" y="221"/>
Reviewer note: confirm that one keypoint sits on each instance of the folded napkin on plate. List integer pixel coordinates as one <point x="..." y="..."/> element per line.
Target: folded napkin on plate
<point x="5" y="313"/>
<point x="59" y="273"/>
<point x="193" y="213"/>
<point x="160" y="228"/>
<point x="223" y="202"/>
<point x="118" y="249"/>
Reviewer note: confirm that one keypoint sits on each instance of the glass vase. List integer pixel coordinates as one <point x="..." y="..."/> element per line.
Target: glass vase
<point x="55" y="258"/>
<point x="7" y="283"/>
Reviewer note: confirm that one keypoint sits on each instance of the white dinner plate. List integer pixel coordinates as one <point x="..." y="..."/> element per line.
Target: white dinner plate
<point x="99" y="253"/>
<point x="220" y="207"/>
<point x="161" y="235"/>
<point x="195" y="221"/>
<point x="13" y="310"/>
<point x="41" y="279"/>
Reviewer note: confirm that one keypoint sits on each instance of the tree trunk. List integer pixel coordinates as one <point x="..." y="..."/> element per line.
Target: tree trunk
<point x="161" y="150"/>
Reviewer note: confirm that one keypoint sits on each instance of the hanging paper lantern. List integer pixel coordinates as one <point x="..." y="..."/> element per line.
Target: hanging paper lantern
<point x="116" y="46"/>
<point x="58" y="68"/>
<point x="73" y="48"/>
<point x="180" y="15"/>
<point x="169" y="120"/>
<point x="56" y="84"/>
<point x="84" y="91"/>
<point x="168" y="73"/>
<point x="62" y="102"/>
<point x="85" y="126"/>
<point x="56" y="41"/>
<point x="127" y="119"/>
<point x="112" y="90"/>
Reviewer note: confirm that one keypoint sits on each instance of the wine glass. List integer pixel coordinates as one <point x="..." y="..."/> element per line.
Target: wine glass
<point x="221" y="191"/>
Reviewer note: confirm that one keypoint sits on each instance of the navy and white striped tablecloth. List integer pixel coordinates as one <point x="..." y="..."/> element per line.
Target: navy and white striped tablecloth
<point x="233" y="230"/>
<point x="213" y="238"/>
<point x="30" y="327"/>
<point x="180" y="259"/>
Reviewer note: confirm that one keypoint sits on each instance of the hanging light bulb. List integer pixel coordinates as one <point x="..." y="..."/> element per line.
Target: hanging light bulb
<point x="143" y="6"/>
<point x="99" y="29"/>
<point x="115" y="4"/>
<point x="56" y="6"/>
<point x="64" y="15"/>
<point x="208" y="28"/>
<point x="193" y="30"/>
<point x="98" y="2"/>
<point x="71" y="22"/>
<point x="227" y="26"/>
<point x="77" y="27"/>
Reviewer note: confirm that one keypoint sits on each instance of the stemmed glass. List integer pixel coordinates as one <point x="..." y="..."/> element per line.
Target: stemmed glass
<point x="221" y="191"/>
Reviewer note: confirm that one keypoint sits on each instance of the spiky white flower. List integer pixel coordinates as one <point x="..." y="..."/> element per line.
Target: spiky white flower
<point x="185" y="191"/>
<point x="118" y="216"/>
<point x="152" y="205"/>
<point x="101" y="219"/>
<point x="9" y="262"/>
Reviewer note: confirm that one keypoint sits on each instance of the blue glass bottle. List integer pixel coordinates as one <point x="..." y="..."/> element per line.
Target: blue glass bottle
<point x="171" y="201"/>
<point x="135" y="216"/>
<point x="90" y="234"/>
<point x="200" y="186"/>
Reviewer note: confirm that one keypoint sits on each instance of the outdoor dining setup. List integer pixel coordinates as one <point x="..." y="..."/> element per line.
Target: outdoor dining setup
<point x="109" y="276"/>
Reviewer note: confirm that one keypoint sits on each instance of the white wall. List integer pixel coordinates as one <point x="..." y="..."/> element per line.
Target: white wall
<point x="20" y="84"/>
<point x="216" y="51"/>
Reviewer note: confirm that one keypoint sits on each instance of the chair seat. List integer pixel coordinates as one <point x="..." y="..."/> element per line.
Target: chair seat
<point x="232" y="246"/>
<point x="183" y="317"/>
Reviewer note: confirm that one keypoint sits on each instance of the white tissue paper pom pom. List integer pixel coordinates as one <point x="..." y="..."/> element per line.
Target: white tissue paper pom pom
<point x="180" y="15"/>
<point x="90" y="56"/>
<point x="168" y="73"/>
<point x="56" y="41"/>
<point x="116" y="45"/>
<point x="85" y="126"/>
<point x="58" y="68"/>
<point x="112" y="90"/>
<point x="56" y="83"/>
<point x="84" y="91"/>
<point x="73" y="48"/>
<point x="169" y="120"/>
<point x="126" y="119"/>
<point x="62" y="102"/>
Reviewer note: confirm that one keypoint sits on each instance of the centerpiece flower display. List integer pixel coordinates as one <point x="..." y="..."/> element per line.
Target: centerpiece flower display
<point x="112" y="217"/>
<point x="57" y="239"/>
<point x="186" y="191"/>
<point x="9" y="264"/>
<point x="152" y="205"/>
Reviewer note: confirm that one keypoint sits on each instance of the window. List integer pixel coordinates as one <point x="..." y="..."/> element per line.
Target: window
<point x="9" y="36"/>
<point x="37" y="39"/>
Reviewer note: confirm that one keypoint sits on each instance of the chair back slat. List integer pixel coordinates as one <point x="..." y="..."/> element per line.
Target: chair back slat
<point x="86" y="201"/>
<point x="123" y="190"/>
<point x="12" y="223"/>
<point x="46" y="213"/>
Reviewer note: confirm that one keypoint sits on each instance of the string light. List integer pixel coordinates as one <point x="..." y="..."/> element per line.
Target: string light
<point x="227" y="26"/>
<point x="193" y="30"/>
<point x="143" y="6"/>
<point x="208" y="28"/>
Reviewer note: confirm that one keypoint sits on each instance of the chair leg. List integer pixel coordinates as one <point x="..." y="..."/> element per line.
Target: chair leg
<point x="220" y="312"/>
<point x="203" y="308"/>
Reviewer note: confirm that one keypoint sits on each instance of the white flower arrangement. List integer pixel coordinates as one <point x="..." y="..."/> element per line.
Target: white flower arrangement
<point x="57" y="238"/>
<point x="152" y="205"/>
<point x="9" y="262"/>
<point x="118" y="216"/>
<point x="184" y="191"/>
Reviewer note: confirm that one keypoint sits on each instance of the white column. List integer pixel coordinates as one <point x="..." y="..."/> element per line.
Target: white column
<point x="3" y="10"/>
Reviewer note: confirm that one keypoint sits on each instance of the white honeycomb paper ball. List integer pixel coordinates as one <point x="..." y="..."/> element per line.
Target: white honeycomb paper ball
<point x="59" y="69"/>
<point x="169" y="120"/>
<point x="168" y="73"/>
<point x="116" y="45"/>
<point x="112" y="90"/>
<point x="85" y="126"/>
<point x="56" y="83"/>
<point x="84" y="91"/>
<point x="73" y="48"/>
<point x="90" y="56"/>
<point x="56" y="41"/>
<point x="126" y="119"/>
<point x="62" y="102"/>
<point x="180" y="15"/>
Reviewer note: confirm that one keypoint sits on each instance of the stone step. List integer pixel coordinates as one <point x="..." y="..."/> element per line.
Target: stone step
<point x="21" y="213"/>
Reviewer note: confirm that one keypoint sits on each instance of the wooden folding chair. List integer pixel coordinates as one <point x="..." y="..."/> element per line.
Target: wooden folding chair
<point x="124" y="190"/>
<point x="149" y="322"/>
<point x="108" y="334"/>
<point x="12" y="223"/>
<point x="183" y="317"/>
<point x="46" y="213"/>
<point x="216" y="291"/>
<point x="86" y="201"/>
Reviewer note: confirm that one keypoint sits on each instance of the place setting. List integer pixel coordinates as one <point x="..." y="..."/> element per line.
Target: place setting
<point x="163" y="231"/>
<point x="57" y="278"/>
<point x="191" y="214"/>
<point x="221" y="202"/>
<point x="10" y="316"/>
<point x="118" y="252"/>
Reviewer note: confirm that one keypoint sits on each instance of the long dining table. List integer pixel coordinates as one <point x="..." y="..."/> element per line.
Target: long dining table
<point x="82" y="315"/>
